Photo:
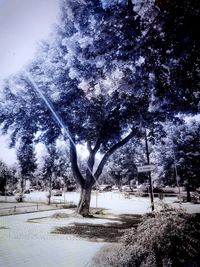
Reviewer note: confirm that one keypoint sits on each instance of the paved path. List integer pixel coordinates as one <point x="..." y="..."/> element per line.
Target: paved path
<point x="26" y="244"/>
<point x="8" y="208"/>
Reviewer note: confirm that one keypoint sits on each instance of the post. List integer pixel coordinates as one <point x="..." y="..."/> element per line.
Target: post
<point x="176" y="175"/>
<point x="96" y="196"/>
<point x="5" y="190"/>
<point x="175" y="166"/>
<point x="149" y="173"/>
<point x="22" y="188"/>
<point x="64" y="189"/>
<point x="50" y="185"/>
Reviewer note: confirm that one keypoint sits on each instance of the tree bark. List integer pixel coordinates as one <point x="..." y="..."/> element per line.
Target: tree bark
<point x="85" y="184"/>
<point x="188" y="192"/>
<point x="50" y="190"/>
<point x="84" y="202"/>
<point x="74" y="164"/>
<point x="90" y="179"/>
<point x="110" y="152"/>
<point x="149" y="173"/>
<point x="21" y="195"/>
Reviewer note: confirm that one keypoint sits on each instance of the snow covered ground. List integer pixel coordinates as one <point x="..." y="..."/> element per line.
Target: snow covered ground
<point x="26" y="240"/>
<point x="114" y="201"/>
<point x="117" y="202"/>
<point x="25" y="243"/>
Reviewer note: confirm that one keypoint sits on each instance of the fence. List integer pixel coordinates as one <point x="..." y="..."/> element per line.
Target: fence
<point x="17" y="209"/>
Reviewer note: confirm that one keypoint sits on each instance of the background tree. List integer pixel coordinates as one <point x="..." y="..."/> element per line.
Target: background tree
<point x="8" y="178"/>
<point x="49" y="169"/>
<point x="26" y="159"/>
<point x="121" y="166"/>
<point x="4" y="177"/>
<point x="178" y="154"/>
<point x="187" y="146"/>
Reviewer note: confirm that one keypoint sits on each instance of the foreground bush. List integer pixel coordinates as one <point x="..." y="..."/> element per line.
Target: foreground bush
<point x="165" y="239"/>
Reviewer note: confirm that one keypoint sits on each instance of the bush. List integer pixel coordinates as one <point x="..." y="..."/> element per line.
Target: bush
<point x="20" y="197"/>
<point x="165" y="239"/>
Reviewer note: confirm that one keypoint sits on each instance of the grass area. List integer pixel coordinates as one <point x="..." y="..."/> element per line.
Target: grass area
<point x="109" y="232"/>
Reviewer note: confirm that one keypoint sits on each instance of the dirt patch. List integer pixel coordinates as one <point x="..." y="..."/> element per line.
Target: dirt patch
<point x="109" y="232"/>
<point x="60" y="215"/>
<point x="69" y="205"/>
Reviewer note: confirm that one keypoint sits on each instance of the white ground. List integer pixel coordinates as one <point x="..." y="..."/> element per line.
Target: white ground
<point x="30" y="244"/>
<point x="115" y="201"/>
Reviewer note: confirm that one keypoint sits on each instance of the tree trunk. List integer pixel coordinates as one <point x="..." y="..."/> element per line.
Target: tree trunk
<point x="49" y="194"/>
<point x="90" y="179"/>
<point x="21" y="194"/>
<point x="84" y="202"/>
<point x="120" y="184"/>
<point x="149" y="173"/>
<point x="87" y="183"/>
<point x="188" y="192"/>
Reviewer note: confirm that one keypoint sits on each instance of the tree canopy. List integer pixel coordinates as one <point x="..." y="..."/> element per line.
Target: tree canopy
<point x="107" y="72"/>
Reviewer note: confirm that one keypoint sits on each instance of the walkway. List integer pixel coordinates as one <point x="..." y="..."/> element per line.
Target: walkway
<point x="29" y="244"/>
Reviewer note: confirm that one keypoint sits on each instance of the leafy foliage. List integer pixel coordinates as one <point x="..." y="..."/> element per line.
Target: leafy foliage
<point x="109" y="68"/>
<point x="4" y="174"/>
<point x="8" y="177"/>
<point x="121" y="166"/>
<point x="56" y="167"/>
<point x="181" y="148"/>
<point x="168" y="238"/>
<point x="173" y="57"/>
<point x="26" y="156"/>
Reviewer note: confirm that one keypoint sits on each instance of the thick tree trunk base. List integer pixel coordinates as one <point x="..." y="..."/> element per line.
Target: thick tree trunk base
<point x="84" y="203"/>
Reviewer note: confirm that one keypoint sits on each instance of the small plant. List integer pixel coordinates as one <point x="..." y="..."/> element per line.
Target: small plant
<point x="170" y="238"/>
<point x="69" y="205"/>
<point x="20" y="197"/>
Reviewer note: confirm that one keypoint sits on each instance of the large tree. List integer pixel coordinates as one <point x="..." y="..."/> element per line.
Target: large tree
<point x="178" y="155"/>
<point x="99" y="72"/>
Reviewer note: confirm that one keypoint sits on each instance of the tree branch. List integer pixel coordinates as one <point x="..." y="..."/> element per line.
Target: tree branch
<point x="110" y="152"/>
<point x="75" y="169"/>
<point x="97" y="146"/>
<point x="89" y="147"/>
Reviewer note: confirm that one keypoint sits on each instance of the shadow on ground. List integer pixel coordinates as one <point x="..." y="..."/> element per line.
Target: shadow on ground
<point x="106" y="232"/>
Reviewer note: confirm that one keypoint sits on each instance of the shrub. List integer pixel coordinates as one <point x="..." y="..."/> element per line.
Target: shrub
<point x="20" y="197"/>
<point x="169" y="238"/>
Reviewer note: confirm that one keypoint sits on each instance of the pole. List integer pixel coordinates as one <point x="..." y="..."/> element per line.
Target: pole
<point x="175" y="166"/>
<point x="64" y="194"/>
<point x="50" y="185"/>
<point x="149" y="173"/>
<point x="96" y="198"/>
<point x="177" y="177"/>
<point x="5" y="189"/>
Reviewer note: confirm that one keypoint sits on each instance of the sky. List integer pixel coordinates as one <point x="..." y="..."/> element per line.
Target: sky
<point x="23" y="23"/>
